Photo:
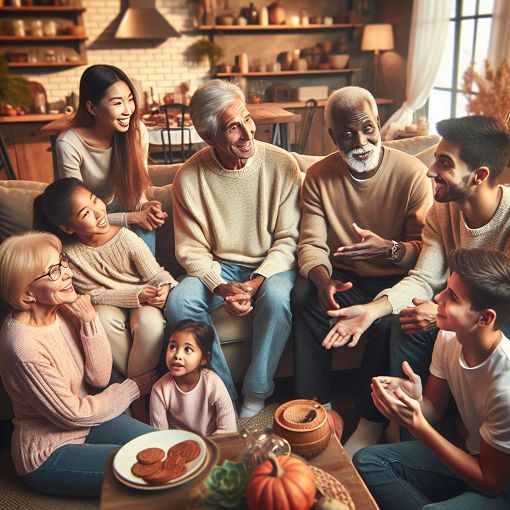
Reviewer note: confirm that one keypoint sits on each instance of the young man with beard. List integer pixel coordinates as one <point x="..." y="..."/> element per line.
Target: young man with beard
<point x="363" y="209"/>
<point x="470" y="211"/>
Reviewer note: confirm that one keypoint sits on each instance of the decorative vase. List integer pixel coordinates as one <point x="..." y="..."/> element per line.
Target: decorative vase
<point x="276" y="13"/>
<point x="251" y="14"/>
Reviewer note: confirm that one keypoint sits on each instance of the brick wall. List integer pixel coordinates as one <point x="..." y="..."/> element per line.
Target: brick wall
<point x="162" y="65"/>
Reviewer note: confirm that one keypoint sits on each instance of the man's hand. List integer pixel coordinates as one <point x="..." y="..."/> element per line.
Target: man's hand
<point x="252" y="286"/>
<point x="159" y="299"/>
<point x="82" y="309"/>
<point x="418" y="318"/>
<point x="371" y="246"/>
<point x="411" y="386"/>
<point x="327" y="290"/>
<point x="352" y="322"/>
<point x="237" y="299"/>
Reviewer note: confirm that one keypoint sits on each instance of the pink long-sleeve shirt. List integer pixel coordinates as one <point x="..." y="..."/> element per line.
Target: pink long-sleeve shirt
<point x="206" y="409"/>
<point x="44" y="370"/>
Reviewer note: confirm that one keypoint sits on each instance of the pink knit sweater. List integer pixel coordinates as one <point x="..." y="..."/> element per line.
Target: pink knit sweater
<point x="44" y="370"/>
<point x="207" y="409"/>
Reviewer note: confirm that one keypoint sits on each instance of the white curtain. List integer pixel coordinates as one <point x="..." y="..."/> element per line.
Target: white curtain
<point x="429" y="30"/>
<point x="499" y="46"/>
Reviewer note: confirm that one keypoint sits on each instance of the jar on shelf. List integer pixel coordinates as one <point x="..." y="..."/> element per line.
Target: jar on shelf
<point x="36" y="28"/>
<point x="50" y="28"/>
<point x="276" y="13"/>
<point x="50" y="56"/>
<point x="18" y="28"/>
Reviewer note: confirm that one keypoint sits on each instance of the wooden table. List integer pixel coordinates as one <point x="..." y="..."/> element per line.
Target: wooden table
<point x="333" y="459"/>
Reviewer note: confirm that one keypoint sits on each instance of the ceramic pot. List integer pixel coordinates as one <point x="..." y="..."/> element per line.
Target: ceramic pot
<point x="251" y="14"/>
<point x="276" y="13"/>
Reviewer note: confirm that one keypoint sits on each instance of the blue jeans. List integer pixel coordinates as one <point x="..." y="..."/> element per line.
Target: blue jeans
<point x="408" y="476"/>
<point x="272" y="322"/>
<point x="148" y="236"/>
<point x="78" y="469"/>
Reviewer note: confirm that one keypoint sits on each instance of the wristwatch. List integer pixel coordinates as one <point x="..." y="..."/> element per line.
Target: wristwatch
<point x="395" y="251"/>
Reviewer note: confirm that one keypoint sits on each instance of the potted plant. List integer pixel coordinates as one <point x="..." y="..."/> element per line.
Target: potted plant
<point x="14" y="91"/>
<point x="206" y="48"/>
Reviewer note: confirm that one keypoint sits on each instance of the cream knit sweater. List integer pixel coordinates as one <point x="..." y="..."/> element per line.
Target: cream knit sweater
<point x="445" y="230"/>
<point x="44" y="370"/>
<point x="115" y="273"/>
<point x="248" y="217"/>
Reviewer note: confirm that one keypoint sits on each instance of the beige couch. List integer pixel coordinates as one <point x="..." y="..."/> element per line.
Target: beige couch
<point x="16" y="199"/>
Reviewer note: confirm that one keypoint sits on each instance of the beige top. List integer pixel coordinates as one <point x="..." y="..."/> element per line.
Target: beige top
<point x="114" y="273"/>
<point x="445" y="230"/>
<point x="393" y="204"/>
<point x="248" y="217"/>
<point x="44" y="370"/>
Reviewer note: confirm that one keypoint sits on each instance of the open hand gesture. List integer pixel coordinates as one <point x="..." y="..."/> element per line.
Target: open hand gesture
<point x="327" y="290"/>
<point x="371" y="246"/>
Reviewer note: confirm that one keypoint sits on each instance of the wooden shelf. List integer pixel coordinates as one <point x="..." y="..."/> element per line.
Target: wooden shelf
<point x="47" y="64"/>
<point x="43" y="9"/>
<point x="276" y="28"/>
<point x="291" y="73"/>
<point x="32" y="38"/>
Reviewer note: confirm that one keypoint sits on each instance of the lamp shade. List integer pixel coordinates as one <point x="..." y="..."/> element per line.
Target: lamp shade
<point x="377" y="37"/>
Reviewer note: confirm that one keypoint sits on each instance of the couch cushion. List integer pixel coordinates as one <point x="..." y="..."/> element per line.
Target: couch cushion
<point x="160" y="175"/>
<point x="16" y="201"/>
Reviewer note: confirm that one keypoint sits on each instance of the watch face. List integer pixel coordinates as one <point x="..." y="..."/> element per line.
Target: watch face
<point x="395" y="250"/>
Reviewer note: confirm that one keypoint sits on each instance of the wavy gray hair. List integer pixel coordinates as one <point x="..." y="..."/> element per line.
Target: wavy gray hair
<point x="347" y="98"/>
<point x="209" y="101"/>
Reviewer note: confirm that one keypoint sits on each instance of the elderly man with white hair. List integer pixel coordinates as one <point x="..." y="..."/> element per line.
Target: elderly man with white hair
<point x="236" y="220"/>
<point x="363" y="211"/>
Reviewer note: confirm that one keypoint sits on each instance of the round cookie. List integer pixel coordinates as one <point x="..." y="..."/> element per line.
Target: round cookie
<point x="142" y="470"/>
<point x="164" y="475"/>
<point x="189" y="449"/>
<point x="150" y="455"/>
<point x="174" y="458"/>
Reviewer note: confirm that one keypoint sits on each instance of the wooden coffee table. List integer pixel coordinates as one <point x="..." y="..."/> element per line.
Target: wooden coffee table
<point x="116" y="496"/>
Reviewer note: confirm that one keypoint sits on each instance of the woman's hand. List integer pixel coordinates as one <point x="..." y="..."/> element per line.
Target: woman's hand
<point x="82" y="309"/>
<point x="159" y="299"/>
<point x="145" y="381"/>
<point x="147" y="292"/>
<point x="149" y="218"/>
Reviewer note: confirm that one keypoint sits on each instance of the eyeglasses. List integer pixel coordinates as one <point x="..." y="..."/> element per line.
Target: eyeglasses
<point x="55" y="270"/>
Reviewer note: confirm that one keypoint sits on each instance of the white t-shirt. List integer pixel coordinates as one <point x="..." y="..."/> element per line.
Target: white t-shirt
<point x="482" y="393"/>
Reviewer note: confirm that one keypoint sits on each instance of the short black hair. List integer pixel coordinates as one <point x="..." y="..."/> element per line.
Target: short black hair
<point x="486" y="273"/>
<point x="202" y="332"/>
<point x="483" y="141"/>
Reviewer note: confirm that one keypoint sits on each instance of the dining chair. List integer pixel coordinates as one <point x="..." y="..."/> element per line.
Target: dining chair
<point x="177" y="147"/>
<point x="307" y="117"/>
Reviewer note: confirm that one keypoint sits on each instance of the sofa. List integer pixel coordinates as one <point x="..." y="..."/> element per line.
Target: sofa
<point x="16" y="199"/>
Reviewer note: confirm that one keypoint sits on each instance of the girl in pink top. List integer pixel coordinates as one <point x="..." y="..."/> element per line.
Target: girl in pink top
<point x="190" y="396"/>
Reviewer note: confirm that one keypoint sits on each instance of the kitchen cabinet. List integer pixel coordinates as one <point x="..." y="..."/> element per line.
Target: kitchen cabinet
<point x="54" y="36"/>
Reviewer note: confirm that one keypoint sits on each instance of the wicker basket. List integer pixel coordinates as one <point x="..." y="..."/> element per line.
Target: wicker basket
<point x="304" y="424"/>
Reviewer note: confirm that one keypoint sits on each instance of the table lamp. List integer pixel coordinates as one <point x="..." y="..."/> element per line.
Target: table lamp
<point x="377" y="37"/>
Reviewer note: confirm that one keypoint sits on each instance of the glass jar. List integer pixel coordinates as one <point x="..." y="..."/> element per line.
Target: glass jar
<point x="36" y="28"/>
<point x="50" y="28"/>
<point x="18" y="28"/>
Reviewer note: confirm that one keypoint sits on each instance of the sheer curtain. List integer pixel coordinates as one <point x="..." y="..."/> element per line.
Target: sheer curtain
<point x="499" y="46"/>
<point x="429" y="31"/>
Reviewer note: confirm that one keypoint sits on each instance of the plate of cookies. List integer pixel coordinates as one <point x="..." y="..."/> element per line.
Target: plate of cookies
<point x="160" y="460"/>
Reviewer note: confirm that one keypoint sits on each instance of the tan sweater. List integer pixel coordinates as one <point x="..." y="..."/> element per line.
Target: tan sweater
<point x="44" y="370"/>
<point x="248" y="217"/>
<point x="445" y="230"/>
<point x="393" y="204"/>
<point x="114" y="273"/>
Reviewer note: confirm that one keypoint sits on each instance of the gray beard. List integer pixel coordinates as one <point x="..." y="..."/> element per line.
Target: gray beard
<point x="363" y="166"/>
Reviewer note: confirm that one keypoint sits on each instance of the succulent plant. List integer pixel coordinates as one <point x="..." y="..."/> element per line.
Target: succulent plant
<point x="226" y="485"/>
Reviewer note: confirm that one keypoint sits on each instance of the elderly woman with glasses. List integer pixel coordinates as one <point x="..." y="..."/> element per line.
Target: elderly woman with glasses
<point x="51" y="345"/>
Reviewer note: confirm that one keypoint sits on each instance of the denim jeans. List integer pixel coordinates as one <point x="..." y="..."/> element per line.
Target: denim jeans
<point x="272" y="321"/>
<point x="78" y="469"/>
<point x="408" y="476"/>
<point x="148" y="236"/>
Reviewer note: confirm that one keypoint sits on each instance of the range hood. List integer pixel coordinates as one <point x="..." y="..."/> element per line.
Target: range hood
<point x="141" y="20"/>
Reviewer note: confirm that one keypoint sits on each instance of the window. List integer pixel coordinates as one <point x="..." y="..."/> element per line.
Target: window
<point x="468" y="42"/>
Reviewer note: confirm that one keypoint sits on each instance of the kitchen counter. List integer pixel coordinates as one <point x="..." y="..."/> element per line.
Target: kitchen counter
<point x="29" y="117"/>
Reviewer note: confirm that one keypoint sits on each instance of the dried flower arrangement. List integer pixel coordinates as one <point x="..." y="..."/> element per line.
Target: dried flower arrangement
<point x="493" y="97"/>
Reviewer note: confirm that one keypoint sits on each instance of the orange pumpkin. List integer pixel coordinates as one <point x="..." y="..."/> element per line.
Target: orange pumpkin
<point x="283" y="483"/>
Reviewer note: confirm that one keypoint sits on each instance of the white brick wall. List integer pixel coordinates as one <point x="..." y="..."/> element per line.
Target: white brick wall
<point x="137" y="59"/>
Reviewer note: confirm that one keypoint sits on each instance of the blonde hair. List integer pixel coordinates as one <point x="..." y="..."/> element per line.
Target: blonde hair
<point x="23" y="257"/>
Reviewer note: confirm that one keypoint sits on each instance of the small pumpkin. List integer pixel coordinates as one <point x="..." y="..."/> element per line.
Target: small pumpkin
<point x="283" y="483"/>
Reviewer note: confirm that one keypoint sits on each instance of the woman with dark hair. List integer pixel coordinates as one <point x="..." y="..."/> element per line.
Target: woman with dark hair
<point x="51" y="345"/>
<point x="107" y="148"/>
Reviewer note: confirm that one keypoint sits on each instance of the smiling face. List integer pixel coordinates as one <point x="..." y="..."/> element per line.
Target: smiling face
<point x="454" y="312"/>
<point x="356" y="134"/>
<point x="234" y="142"/>
<point x="452" y="178"/>
<point x="48" y="293"/>
<point x="183" y="355"/>
<point x="115" y="108"/>
<point x="88" y="216"/>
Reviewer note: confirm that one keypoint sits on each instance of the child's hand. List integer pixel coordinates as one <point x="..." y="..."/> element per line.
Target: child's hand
<point x="145" y="381"/>
<point x="411" y="387"/>
<point x="159" y="299"/>
<point x="82" y="309"/>
<point x="147" y="292"/>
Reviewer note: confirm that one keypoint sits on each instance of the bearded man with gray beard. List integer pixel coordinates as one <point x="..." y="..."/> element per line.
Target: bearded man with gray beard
<point x="363" y="209"/>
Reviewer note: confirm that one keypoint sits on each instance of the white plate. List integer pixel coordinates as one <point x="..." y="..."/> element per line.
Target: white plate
<point x="164" y="439"/>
